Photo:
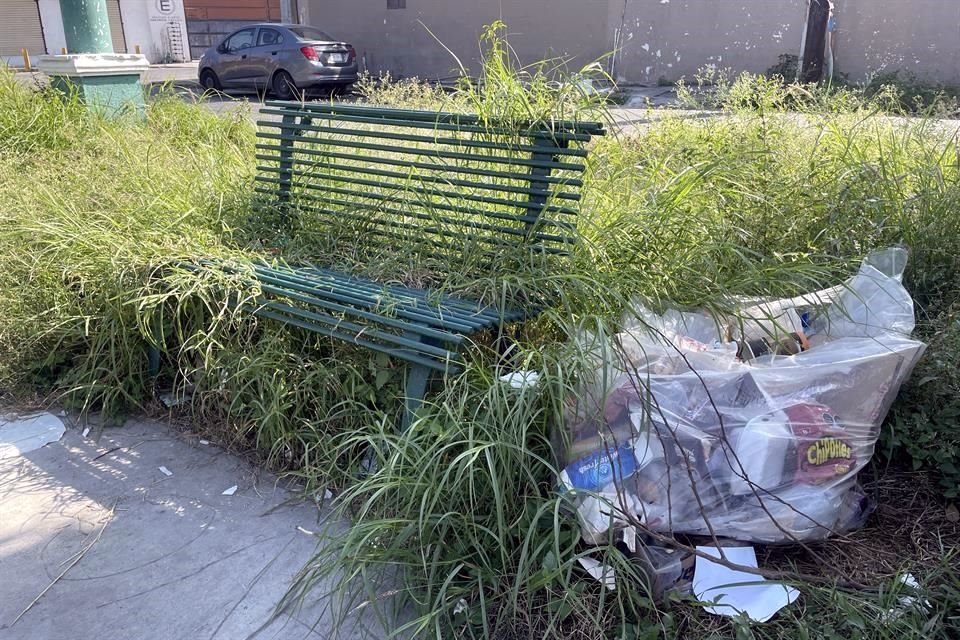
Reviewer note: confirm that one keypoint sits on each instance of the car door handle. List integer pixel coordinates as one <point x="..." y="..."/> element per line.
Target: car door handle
<point x="243" y="57"/>
<point x="273" y="53"/>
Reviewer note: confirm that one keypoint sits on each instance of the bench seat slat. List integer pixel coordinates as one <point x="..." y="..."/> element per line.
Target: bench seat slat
<point x="470" y="308"/>
<point x="348" y="327"/>
<point x="430" y="166"/>
<point x="445" y="311"/>
<point x="402" y="354"/>
<point x="351" y="293"/>
<point x="331" y="305"/>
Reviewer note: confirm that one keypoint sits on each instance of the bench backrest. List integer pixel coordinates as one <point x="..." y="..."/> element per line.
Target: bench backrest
<point x="434" y="183"/>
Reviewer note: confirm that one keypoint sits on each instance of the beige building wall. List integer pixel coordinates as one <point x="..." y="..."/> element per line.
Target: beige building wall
<point x="667" y="39"/>
<point x="400" y="40"/>
<point x="918" y="36"/>
<point x="653" y="40"/>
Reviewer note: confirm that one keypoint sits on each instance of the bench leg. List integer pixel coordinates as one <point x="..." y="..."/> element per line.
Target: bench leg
<point x="153" y="350"/>
<point x="416" y="390"/>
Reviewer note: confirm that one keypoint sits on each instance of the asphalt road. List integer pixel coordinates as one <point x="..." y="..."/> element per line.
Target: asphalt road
<point x="642" y="105"/>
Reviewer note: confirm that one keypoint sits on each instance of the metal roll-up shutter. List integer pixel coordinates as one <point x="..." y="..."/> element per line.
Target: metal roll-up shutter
<point x="116" y="27"/>
<point x="20" y="28"/>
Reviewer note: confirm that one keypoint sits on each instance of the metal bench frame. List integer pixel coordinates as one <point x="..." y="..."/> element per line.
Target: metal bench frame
<point x="522" y="202"/>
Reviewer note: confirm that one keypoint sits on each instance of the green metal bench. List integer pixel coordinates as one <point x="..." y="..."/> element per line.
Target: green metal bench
<point x="438" y="185"/>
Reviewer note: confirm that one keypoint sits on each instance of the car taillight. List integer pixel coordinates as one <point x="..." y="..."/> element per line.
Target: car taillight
<point x="351" y="53"/>
<point x="310" y="54"/>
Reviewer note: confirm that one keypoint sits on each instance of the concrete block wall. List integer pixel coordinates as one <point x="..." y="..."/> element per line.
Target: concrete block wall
<point x="653" y="40"/>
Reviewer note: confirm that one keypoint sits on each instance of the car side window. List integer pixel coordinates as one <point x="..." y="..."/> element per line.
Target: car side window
<point x="269" y="37"/>
<point x="242" y="39"/>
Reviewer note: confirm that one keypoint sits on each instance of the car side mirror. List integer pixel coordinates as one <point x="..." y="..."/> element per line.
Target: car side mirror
<point x="222" y="49"/>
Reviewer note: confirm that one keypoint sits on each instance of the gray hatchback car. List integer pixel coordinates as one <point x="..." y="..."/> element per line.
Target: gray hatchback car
<point x="286" y="59"/>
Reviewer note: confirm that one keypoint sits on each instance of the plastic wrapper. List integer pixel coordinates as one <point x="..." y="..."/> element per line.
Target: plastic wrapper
<point x="752" y="427"/>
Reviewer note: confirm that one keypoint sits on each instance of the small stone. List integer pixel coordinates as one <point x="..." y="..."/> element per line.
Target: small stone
<point x="952" y="513"/>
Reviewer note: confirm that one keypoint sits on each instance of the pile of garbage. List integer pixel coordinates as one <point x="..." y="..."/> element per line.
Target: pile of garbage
<point x="751" y="427"/>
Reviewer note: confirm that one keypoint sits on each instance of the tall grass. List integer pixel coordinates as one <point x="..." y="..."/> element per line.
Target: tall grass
<point x="458" y="520"/>
<point x="89" y="209"/>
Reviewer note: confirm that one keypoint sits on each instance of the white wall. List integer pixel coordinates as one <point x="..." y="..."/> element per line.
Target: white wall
<point x="52" y="25"/>
<point x="144" y="24"/>
<point x="136" y="26"/>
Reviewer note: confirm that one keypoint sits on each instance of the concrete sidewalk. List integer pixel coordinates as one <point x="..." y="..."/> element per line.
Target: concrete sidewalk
<point x="167" y="557"/>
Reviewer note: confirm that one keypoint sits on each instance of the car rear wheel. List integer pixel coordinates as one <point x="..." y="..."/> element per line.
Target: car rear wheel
<point x="209" y="80"/>
<point x="284" y="87"/>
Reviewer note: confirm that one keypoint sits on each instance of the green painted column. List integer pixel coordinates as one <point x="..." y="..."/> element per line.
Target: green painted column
<point x="106" y="81"/>
<point x="86" y="26"/>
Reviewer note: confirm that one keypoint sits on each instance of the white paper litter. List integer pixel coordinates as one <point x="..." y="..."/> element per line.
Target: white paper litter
<point x="165" y="471"/>
<point x="24" y="434"/>
<point x="171" y="400"/>
<point x="204" y="442"/>
<point x="600" y="572"/>
<point x="907" y="602"/>
<point x="229" y="492"/>
<point x="461" y="606"/>
<point x="521" y="379"/>
<point x="735" y="592"/>
<point x="86" y="432"/>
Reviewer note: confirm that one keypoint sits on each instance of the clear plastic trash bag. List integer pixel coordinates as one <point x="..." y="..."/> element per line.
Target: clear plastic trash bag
<point x="752" y="427"/>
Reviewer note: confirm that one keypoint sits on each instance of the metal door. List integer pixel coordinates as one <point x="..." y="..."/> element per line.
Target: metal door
<point x="20" y="28"/>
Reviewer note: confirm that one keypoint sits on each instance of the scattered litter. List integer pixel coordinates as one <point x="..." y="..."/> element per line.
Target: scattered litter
<point x="323" y="497"/>
<point x="521" y="379"/>
<point x="306" y="531"/>
<point x="735" y="592"/>
<point x="667" y="570"/>
<point x="86" y="432"/>
<point x="25" y="434"/>
<point x="204" y="442"/>
<point x="165" y="471"/>
<point x="229" y="492"/>
<point x="907" y="602"/>
<point x="61" y="414"/>
<point x="600" y="572"/>
<point x="461" y="606"/>
<point x="172" y="399"/>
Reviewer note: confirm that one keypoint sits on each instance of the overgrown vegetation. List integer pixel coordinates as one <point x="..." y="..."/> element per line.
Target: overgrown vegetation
<point x="458" y="517"/>
<point x="892" y="93"/>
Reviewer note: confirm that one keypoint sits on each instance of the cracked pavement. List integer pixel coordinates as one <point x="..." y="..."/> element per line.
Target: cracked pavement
<point x="154" y="556"/>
